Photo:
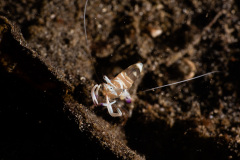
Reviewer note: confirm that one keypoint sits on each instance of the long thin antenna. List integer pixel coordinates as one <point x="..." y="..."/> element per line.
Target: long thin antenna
<point x="85" y="30"/>
<point x="152" y="89"/>
<point x="84" y="22"/>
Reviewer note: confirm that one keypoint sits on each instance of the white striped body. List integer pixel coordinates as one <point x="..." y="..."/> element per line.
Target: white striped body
<point x="118" y="87"/>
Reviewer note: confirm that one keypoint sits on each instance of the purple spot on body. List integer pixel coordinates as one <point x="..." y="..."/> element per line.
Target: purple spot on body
<point x="128" y="100"/>
<point x="101" y="104"/>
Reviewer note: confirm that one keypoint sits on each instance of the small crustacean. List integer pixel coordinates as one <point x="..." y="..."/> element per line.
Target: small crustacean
<point x="117" y="88"/>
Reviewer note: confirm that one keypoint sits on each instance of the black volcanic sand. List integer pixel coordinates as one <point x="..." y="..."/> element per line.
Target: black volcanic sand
<point x="47" y="71"/>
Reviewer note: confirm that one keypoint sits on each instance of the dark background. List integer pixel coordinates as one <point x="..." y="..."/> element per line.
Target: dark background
<point x="47" y="72"/>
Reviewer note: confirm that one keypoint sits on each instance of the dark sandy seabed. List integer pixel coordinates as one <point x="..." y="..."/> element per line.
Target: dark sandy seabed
<point x="46" y="74"/>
